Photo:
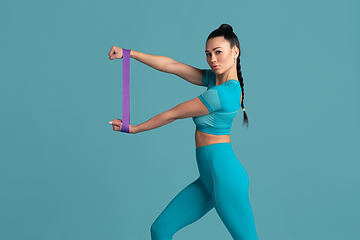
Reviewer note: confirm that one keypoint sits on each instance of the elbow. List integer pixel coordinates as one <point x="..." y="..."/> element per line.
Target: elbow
<point x="169" y="65"/>
<point x="172" y="115"/>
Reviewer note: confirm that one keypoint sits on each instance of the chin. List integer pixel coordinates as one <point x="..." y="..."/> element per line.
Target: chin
<point x="217" y="71"/>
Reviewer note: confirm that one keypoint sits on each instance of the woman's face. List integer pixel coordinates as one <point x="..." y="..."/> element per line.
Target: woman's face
<point x="219" y="55"/>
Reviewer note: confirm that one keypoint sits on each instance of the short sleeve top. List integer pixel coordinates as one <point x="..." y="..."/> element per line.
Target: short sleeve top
<point x="223" y="102"/>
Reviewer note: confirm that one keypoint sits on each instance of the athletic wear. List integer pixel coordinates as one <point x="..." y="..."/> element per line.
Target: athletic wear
<point x="223" y="184"/>
<point x="223" y="102"/>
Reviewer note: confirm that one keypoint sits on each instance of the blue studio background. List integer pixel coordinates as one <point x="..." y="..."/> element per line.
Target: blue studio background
<point x="64" y="174"/>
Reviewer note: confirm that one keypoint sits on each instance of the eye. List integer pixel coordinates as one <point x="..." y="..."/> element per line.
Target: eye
<point x="218" y="52"/>
<point x="208" y="54"/>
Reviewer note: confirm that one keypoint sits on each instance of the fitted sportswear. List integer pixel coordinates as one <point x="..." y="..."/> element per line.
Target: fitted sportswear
<point x="223" y="184"/>
<point x="223" y="102"/>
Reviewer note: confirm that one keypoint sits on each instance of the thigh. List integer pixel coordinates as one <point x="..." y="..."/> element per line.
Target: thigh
<point x="234" y="209"/>
<point x="231" y="194"/>
<point x="189" y="205"/>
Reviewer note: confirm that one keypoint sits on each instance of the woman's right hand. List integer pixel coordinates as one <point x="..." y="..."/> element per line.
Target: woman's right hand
<point x="115" y="53"/>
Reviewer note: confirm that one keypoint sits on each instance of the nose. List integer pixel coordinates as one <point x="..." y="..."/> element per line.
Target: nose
<point x="213" y="58"/>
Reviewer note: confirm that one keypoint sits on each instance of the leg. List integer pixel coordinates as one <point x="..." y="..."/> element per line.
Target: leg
<point x="232" y="203"/>
<point x="228" y="183"/>
<point x="188" y="206"/>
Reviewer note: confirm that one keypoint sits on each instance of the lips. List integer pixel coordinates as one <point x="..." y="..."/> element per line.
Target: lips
<point x="215" y="66"/>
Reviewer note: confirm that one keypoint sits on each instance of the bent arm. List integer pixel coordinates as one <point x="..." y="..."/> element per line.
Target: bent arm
<point x="192" y="108"/>
<point x="169" y="65"/>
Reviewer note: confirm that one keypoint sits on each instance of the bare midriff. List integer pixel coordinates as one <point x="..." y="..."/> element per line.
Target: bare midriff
<point x="203" y="139"/>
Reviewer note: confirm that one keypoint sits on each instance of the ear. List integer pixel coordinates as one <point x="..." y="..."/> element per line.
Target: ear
<point x="235" y="51"/>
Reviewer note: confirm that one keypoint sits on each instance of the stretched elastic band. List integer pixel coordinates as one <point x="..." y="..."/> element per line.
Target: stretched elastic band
<point x="126" y="91"/>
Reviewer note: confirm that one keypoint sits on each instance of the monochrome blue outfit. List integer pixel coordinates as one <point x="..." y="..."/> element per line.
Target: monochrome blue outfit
<point x="223" y="183"/>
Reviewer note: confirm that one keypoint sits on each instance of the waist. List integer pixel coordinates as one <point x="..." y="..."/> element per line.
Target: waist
<point x="203" y="139"/>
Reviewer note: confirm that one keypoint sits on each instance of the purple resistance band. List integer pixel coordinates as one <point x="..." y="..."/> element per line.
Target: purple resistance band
<point x="126" y="92"/>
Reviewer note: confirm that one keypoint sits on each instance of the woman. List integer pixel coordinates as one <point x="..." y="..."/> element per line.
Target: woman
<point x="223" y="182"/>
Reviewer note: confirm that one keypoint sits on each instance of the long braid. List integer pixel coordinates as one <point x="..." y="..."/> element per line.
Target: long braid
<point x="227" y="32"/>
<point x="241" y="80"/>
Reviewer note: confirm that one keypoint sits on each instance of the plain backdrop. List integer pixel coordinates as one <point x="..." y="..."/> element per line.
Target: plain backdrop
<point x="64" y="173"/>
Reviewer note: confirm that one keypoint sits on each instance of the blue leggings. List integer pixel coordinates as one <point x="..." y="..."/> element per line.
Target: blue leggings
<point x="223" y="184"/>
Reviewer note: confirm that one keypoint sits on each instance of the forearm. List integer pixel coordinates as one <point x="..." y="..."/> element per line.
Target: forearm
<point x="160" y="63"/>
<point x="154" y="122"/>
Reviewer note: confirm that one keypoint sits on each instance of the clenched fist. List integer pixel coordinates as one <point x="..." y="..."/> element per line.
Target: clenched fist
<point x="115" y="53"/>
<point x="117" y="124"/>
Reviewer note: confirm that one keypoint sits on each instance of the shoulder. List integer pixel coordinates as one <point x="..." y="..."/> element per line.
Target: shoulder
<point x="228" y="92"/>
<point x="208" y="78"/>
<point x="208" y="73"/>
<point x="228" y="85"/>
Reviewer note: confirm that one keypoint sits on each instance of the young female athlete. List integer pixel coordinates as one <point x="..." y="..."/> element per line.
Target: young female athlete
<point x="223" y="182"/>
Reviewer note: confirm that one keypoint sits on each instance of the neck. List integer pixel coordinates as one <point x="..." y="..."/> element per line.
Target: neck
<point x="226" y="76"/>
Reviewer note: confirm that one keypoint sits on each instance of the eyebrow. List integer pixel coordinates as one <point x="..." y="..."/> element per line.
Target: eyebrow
<point x="213" y="49"/>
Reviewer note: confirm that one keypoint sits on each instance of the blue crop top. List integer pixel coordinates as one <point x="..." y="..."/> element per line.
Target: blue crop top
<point x="223" y="102"/>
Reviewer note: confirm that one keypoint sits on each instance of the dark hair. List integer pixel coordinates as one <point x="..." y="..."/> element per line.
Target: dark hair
<point x="226" y="31"/>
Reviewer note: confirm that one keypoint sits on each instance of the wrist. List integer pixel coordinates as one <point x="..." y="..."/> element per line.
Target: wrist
<point x="132" y="53"/>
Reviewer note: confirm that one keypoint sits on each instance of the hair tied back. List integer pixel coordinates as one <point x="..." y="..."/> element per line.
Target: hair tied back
<point x="226" y="31"/>
<point x="226" y="27"/>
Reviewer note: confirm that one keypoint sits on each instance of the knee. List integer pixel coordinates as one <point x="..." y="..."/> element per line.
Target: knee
<point x="157" y="231"/>
<point x="153" y="229"/>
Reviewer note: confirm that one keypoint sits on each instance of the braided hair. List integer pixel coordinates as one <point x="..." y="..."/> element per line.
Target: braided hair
<point x="226" y="31"/>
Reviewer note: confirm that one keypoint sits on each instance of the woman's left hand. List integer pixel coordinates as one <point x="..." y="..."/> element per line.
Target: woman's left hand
<point x="117" y="124"/>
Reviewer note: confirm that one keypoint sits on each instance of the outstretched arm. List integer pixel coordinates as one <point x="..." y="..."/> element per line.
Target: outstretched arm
<point x="163" y="64"/>
<point x="192" y="108"/>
